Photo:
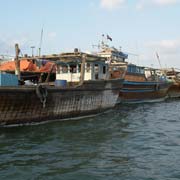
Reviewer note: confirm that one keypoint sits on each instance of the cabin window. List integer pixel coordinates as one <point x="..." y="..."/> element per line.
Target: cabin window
<point x="96" y="69"/>
<point x="129" y="69"/>
<point x="137" y="70"/>
<point x="64" y="69"/>
<point x="104" y="69"/>
<point x="58" y="69"/>
<point x="133" y="69"/>
<point x="88" y="67"/>
<point x="79" y="68"/>
<point x="73" y="69"/>
<point x="142" y="71"/>
<point x="152" y="72"/>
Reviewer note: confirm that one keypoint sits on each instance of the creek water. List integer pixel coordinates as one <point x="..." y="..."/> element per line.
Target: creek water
<point x="133" y="142"/>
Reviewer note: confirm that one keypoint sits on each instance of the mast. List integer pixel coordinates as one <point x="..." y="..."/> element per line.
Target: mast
<point x="82" y="69"/>
<point x="40" y="44"/>
<point x="157" y="55"/>
<point x="17" y="62"/>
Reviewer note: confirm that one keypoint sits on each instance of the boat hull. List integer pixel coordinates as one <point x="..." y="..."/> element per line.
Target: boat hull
<point x="22" y="105"/>
<point x="142" y="92"/>
<point x="174" y="90"/>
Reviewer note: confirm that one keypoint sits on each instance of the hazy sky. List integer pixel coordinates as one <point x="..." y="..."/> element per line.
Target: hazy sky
<point x="141" y="27"/>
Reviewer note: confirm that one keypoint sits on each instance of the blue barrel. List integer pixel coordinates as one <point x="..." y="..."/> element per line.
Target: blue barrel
<point x="8" y="79"/>
<point x="61" y="83"/>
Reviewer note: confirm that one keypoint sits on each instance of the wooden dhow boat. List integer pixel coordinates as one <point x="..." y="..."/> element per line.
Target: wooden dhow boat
<point x="83" y="86"/>
<point x="143" y="85"/>
<point x="140" y="84"/>
<point x="174" y="77"/>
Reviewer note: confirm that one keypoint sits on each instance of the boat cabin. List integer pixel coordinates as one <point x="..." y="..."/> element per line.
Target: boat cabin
<point x="131" y="68"/>
<point x="112" y="54"/>
<point x="79" y="67"/>
<point x="69" y="68"/>
<point x="135" y="73"/>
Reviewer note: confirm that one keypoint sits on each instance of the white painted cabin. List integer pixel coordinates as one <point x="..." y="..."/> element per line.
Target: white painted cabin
<point x="72" y="73"/>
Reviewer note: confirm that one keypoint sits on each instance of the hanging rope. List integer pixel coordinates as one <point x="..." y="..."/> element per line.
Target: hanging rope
<point x="42" y="94"/>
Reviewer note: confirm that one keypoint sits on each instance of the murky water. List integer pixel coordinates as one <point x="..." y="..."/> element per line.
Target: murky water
<point x="139" y="142"/>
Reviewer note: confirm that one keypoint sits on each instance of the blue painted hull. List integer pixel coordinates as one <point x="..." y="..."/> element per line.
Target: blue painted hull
<point x="142" y="92"/>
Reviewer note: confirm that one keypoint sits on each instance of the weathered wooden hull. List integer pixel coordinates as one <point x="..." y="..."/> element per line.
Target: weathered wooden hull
<point x="21" y="105"/>
<point x="174" y="90"/>
<point x="140" y="92"/>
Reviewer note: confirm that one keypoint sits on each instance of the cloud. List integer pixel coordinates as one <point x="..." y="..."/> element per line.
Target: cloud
<point x="111" y="4"/>
<point x="165" y="46"/>
<point x="140" y="4"/>
<point x="165" y="2"/>
<point x="159" y="3"/>
<point x="168" y="50"/>
<point x="52" y="35"/>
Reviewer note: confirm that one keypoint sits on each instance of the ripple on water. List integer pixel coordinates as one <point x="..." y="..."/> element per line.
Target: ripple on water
<point x="130" y="142"/>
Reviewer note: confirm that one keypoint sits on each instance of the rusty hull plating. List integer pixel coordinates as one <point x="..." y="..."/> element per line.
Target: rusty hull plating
<point x="21" y="105"/>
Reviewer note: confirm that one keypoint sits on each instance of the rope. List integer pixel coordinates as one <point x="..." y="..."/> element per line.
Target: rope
<point x="42" y="94"/>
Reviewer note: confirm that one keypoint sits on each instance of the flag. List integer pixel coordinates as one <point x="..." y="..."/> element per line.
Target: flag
<point x="109" y="38"/>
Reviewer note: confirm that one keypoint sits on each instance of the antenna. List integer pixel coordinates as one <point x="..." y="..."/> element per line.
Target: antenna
<point x="103" y="41"/>
<point x="132" y="54"/>
<point x="40" y="44"/>
<point x="94" y="46"/>
<point x="32" y="47"/>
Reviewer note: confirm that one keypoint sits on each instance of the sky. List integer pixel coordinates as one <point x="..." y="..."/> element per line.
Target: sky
<point x="140" y="28"/>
